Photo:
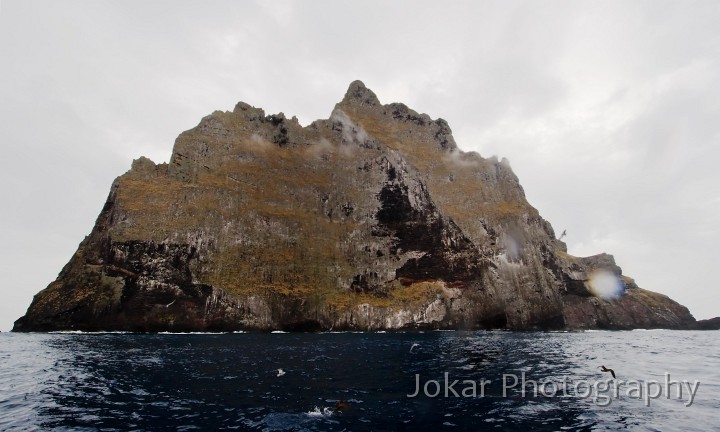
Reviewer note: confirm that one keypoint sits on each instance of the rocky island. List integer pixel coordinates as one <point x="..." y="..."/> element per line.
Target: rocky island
<point x="372" y="219"/>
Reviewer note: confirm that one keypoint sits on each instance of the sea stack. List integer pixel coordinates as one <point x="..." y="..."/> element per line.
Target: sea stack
<point x="371" y="219"/>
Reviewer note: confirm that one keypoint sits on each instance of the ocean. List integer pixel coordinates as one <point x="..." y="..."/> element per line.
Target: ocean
<point x="431" y="381"/>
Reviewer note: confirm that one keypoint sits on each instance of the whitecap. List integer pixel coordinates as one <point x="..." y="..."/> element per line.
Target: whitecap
<point x="320" y="412"/>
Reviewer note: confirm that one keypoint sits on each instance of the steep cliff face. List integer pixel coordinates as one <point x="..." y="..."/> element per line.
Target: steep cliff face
<point x="371" y="219"/>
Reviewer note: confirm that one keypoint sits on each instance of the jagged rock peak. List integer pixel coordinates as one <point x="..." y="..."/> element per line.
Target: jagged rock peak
<point x="359" y="98"/>
<point x="357" y="92"/>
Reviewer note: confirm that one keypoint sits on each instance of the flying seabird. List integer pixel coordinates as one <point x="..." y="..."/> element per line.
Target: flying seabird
<point x="169" y="304"/>
<point x="564" y="233"/>
<point x="413" y="346"/>
<point x="280" y="372"/>
<point x="604" y="369"/>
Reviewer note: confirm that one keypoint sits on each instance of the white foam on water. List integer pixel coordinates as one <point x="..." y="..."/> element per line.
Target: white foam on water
<point x="320" y="412"/>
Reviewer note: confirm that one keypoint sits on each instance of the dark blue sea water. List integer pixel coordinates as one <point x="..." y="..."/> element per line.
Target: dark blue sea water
<point x="184" y="382"/>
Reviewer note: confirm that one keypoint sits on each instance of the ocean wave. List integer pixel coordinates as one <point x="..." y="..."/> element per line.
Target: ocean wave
<point x="320" y="412"/>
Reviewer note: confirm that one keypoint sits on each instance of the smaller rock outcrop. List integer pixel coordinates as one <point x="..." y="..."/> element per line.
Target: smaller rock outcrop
<point x="708" y="324"/>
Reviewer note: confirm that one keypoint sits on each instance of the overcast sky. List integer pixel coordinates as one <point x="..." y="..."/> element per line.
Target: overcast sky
<point x="609" y="112"/>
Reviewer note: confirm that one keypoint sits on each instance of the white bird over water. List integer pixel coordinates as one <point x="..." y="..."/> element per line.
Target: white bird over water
<point x="280" y="372"/>
<point x="413" y="346"/>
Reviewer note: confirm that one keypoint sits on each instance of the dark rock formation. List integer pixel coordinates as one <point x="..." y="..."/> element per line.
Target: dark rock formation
<point x="371" y="219"/>
<point x="708" y="324"/>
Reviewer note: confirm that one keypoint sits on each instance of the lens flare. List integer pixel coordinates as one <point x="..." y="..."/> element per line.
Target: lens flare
<point x="606" y="285"/>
